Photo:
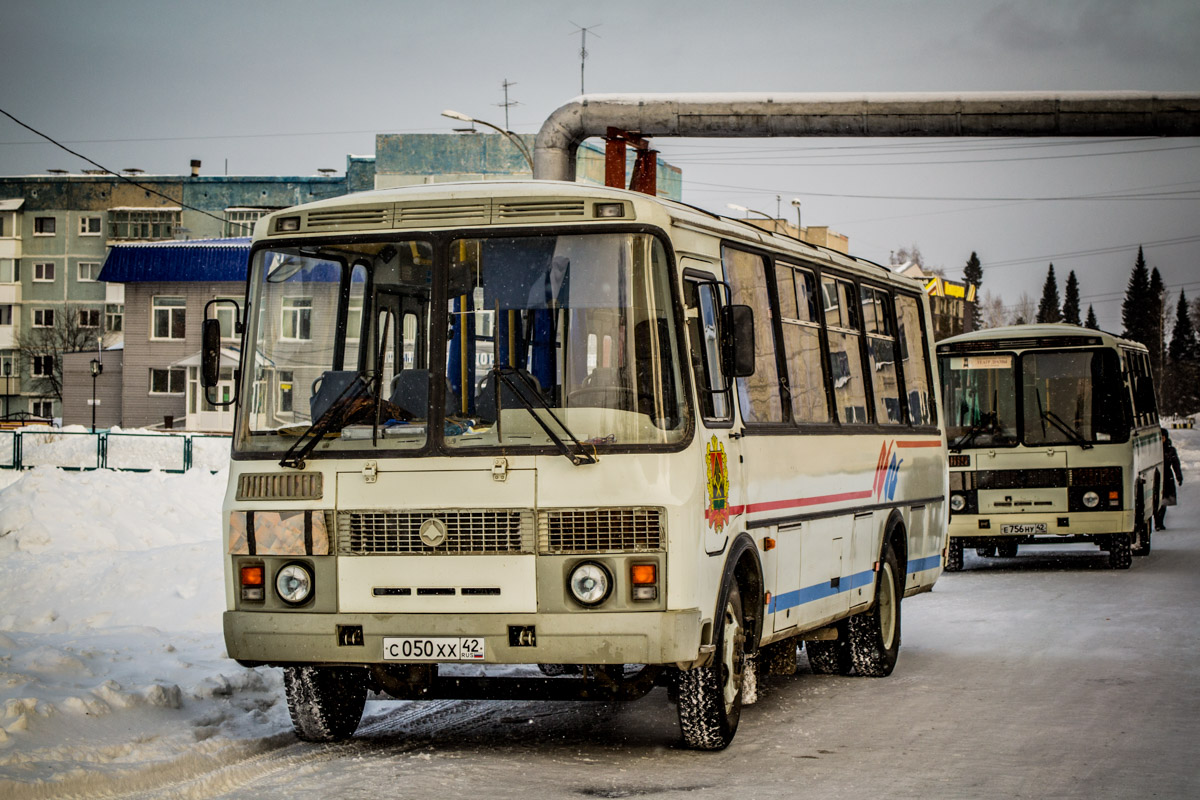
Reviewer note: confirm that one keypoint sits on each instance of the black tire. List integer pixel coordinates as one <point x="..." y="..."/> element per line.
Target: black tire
<point x="710" y="698"/>
<point x="954" y="555"/>
<point x="1143" y="546"/>
<point x="986" y="552"/>
<point x="1120" y="550"/>
<point x="831" y="656"/>
<point x="874" y="635"/>
<point x="326" y="703"/>
<point x="1143" y="525"/>
<point x="1007" y="550"/>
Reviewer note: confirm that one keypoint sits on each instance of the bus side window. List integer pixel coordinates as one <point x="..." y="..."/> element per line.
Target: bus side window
<point x="759" y="394"/>
<point x="705" y="344"/>
<point x="801" y="324"/>
<point x="881" y="350"/>
<point x="913" y="357"/>
<point x="845" y="357"/>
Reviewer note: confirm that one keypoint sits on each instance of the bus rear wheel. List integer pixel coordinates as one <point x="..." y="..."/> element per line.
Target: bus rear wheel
<point x="710" y="698"/>
<point x="874" y="635"/>
<point x="326" y="703"/>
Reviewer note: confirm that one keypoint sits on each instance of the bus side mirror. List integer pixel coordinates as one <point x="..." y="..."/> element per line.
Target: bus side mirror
<point x="210" y="353"/>
<point x="737" y="325"/>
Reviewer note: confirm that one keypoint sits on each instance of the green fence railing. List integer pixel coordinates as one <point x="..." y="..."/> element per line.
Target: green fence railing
<point x="116" y="450"/>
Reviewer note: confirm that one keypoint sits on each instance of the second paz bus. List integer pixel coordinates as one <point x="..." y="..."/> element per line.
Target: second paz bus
<point x="538" y="423"/>
<point x="1054" y="437"/>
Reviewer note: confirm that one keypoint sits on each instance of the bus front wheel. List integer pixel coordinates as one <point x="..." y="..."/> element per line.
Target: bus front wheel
<point x="954" y="555"/>
<point x="710" y="698"/>
<point x="326" y="703"/>
<point x="874" y="635"/>
<point x="1120" y="550"/>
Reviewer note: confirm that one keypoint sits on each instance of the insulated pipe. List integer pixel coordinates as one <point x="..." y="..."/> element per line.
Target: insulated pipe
<point x="883" y="114"/>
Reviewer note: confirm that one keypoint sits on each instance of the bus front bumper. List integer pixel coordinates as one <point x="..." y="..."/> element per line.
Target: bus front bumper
<point x="1053" y="524"/>
<point x="653" y="637"/>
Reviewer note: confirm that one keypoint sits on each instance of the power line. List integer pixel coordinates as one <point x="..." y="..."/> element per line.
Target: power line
<point x="117" y="175"/>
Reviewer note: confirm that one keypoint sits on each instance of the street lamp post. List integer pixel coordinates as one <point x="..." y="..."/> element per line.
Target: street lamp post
<point x="97" y="368"/>
<point x="799" y="227"/>
<point x="512" y="137"/>
<point x="743" y="209"/>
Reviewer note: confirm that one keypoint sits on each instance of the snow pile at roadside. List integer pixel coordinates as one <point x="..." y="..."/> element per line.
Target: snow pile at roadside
<point x="111" y="655"/>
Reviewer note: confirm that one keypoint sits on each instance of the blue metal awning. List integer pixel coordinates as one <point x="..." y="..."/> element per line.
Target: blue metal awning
<point x="207" y="260"/>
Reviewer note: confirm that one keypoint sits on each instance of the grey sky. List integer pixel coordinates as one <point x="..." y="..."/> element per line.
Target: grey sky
<point x="289" y="87"/>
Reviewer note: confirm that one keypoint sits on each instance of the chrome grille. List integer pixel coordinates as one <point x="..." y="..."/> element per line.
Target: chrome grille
<point x="478" y="531"/>
<point x="600" y="530"/>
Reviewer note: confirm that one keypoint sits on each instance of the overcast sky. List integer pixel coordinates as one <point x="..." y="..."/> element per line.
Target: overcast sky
<point x="285" y="88"/>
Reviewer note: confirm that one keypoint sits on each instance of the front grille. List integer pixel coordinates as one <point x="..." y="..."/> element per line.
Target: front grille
<point x="1021" y="478"/>
<point x="276" y="486"/>
<point x="599" y="530"/>
<point x="481" y="531"/>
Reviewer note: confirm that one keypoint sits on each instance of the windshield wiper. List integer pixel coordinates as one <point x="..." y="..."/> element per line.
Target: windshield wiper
<point x="334" y="418"/>
<point x="987" y="421"/>
<point x="504" y="373"/>
<point x="1057" y="421"/>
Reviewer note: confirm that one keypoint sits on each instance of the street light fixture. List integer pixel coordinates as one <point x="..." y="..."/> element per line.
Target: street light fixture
<point x="799" y="229"/>
<point x="97" y="368"/>
<point x="512" y="137"/>
<point x="745" y="210"/>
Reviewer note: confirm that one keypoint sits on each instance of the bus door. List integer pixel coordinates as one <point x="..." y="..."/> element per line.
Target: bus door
<point x="703" y="297"/>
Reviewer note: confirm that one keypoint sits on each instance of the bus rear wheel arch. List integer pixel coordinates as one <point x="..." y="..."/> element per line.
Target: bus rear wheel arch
<point x="874" y="635"/>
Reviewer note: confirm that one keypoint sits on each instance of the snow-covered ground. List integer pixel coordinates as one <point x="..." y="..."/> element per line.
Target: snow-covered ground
<point x="114" y="681"/>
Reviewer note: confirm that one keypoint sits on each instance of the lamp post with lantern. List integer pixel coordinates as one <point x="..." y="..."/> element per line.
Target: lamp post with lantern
<point x="97" y="368"/>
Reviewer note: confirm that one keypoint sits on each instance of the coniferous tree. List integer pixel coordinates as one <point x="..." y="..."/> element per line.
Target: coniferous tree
<point x="1091" y="320"/>
<point x="1180" y="390"/>
<point x="1070" y="309"/>
<point x="1050" y="309"/>
<point x="1156" y="324"/>
<point x="973" y="274"/>
<point x="1135" y="309"/>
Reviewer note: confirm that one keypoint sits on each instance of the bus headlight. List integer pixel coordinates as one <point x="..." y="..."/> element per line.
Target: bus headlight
<point x="294" y="583"/>
<point x="589" y="583"/>
<point x="957" y="502"/>
<point x="1091" y="499"/>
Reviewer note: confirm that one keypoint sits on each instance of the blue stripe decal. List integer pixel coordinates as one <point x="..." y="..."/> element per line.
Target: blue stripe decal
<point x="810" y="594"/>
<point x="920" y="564"/>
<point x="782" y="602"/>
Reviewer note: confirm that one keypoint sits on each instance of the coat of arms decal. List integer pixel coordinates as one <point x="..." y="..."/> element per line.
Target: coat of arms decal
<point x="717" y="469"/>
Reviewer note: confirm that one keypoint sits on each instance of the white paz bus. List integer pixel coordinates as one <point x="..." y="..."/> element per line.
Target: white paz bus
<point x="552" y="424"/>
<point x="1054" y="437"/>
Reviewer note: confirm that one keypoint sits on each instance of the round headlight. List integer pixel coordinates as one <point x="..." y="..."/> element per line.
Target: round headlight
<point x="294" y="583"/>
<point x="1091" y="499"/>
<point x="589" y="583"/>
<point x="957" y="502"/>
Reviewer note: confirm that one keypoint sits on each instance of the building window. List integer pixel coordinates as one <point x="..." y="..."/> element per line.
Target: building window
<point x="42" y="408"/>
<point x="89" y="271"/>
<point x="6" y="315"/>
<point x="43" y="318"/>
<point x="168" y="318"/>
<point x="8" y="364"/>
<point x="167" y="381"/>
<point x="285" y="390"/>
<point x="89" y="226"/>
<point x="142" y="223"/>
<point x="44" y="272"/>
<point x="240" y="221"/>
<point x="114" y="317"/>
<point x="227" y="314"/>
<point x="297" y="318"/>
<point x="43" y="226"/>
<point x="42" y="366"/>
<point x="10" y="270"/>
<point x="89" y="318"/>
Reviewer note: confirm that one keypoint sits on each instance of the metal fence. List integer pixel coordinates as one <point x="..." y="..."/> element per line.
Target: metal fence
<point x="118" y="450"/>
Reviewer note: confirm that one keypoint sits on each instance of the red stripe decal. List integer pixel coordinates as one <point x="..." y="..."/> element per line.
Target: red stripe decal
<point x="776" y="505"/>
<point x="923" y="443"/>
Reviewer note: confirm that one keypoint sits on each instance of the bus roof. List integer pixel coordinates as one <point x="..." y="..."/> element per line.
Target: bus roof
<point x="1052" y="334"/>
<point x="516" y="203"/>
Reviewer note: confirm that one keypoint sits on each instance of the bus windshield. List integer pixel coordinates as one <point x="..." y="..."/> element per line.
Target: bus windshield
<point x="535" y="339"/>
<point x="1072" y="397"/>
<point x="980" y="397"/>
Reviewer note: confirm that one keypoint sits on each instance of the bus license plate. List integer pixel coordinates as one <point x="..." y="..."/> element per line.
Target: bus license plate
<point x="418" y="648"/>
<point x="1025" y="529"/>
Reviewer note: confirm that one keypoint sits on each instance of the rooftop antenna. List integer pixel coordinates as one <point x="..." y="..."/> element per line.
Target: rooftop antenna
<point x="583" y="53"/>
<point x="507" y="104"/>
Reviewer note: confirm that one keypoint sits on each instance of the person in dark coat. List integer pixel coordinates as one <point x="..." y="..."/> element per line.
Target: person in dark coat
<point x="1171" y="473"/>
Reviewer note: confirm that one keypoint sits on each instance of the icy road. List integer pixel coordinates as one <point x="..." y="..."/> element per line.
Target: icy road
<point x="1046" y="675"/>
